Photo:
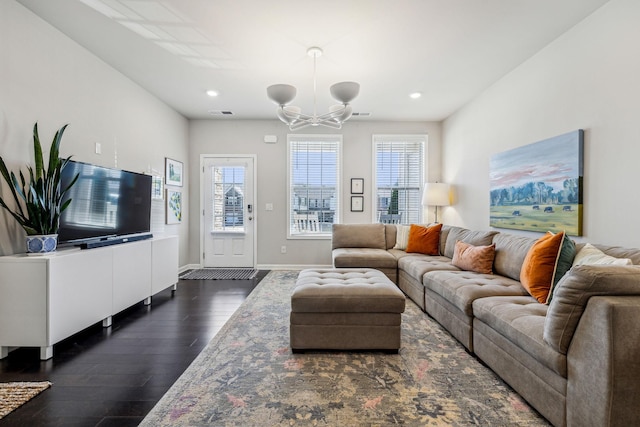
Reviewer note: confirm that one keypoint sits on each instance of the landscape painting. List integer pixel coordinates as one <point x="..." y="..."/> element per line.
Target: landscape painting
<point x="538" y="187"/>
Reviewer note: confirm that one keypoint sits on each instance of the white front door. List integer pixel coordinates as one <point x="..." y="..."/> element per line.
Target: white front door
<point x="229" y="211"/>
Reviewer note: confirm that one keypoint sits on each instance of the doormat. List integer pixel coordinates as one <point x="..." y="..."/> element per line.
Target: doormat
<point x="221" y="274"/>
<point x="13" y="395"/>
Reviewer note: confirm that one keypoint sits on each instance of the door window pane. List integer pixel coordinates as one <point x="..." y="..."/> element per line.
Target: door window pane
<point x="228" y="198"/>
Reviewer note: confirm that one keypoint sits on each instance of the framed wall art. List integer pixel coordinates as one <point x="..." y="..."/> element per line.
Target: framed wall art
<point x="174" y="206"/>
<point x="538" y="187"/>
<point x="157" y="188"/>
<point x="357" y="185"/>
<point x="173" y="172"/>
<point x="357" y="203"/>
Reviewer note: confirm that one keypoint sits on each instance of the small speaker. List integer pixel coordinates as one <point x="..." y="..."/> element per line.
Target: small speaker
<point x="270" y="139"/>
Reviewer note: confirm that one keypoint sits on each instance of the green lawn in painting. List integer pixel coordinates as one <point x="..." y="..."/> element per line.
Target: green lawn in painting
<point x="565" y="217"/>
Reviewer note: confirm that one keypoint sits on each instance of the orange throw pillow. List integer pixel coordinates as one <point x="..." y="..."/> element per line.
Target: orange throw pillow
<point x="474" y="258"/>
<point x="424" y="240"/>
<point x="539" y="265"/>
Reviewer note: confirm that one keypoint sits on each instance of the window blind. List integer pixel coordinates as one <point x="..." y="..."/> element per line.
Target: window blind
<point x="314" y="184"/>
<point x="398" y="177"/>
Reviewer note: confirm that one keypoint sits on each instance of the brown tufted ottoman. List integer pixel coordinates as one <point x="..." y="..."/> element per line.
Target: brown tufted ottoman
<point x="345" y="309"/>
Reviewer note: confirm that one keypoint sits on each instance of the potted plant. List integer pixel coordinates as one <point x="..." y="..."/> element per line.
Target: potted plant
<point x="39" y="200"/>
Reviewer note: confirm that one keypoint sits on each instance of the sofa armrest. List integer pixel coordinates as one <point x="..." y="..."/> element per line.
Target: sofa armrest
<point x="603" y="362"/>
<point x="575" y="290"/>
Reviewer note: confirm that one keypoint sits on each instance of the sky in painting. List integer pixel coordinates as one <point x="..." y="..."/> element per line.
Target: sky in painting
<point x="552" y="161"/>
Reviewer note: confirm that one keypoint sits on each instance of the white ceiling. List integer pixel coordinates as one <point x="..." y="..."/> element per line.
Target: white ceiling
<point x="450" y="50"/>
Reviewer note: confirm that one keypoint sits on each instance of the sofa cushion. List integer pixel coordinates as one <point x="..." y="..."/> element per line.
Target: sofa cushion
<point x="444" y="234"/>
<point x="416" y="265"/>
<point x="539" y="265"/>
<point x="565" y="260"/>
<point x="424" y="240"/>
<point x="390" y="235"/>
<point x="573" y="292"/>
<point x="474" y="258"/>
<point x="358" y="236"/>
<point x="402" y="237"/>
<point x="363" y="258"/>
<point x="590" y="255"/>
<point x="521" y="321"/>
<point x="475" y="238"/>
<point x="510" y="253"/>
<point x="619" y="252"/>
<point x="461" y="288"/>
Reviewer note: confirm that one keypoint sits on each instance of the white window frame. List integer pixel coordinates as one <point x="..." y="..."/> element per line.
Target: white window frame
<point x="291" y="138"/>
<point x="379" y="138"/>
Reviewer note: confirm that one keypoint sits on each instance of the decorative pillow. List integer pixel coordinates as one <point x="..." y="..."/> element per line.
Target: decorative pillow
<point x="474" y="258"/>
<point x="402" y="237"/>
<point x="590" y="255"/>
<point x="539" y="265"/>
<point x="565" y="259"/>
<point x="424" y="240"/>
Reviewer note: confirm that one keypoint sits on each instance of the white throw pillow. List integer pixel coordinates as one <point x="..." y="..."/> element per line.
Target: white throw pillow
<point x="402" y="237"/>
<point x="590" y="255"/>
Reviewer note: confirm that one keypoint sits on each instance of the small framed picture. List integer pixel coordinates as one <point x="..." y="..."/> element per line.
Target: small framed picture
<point x="173" y="172"/>
<point x="157" y="188"/>
<point x="357" y="203"/>
<point x="357" y="185"/>
<point x="174" y="206"/>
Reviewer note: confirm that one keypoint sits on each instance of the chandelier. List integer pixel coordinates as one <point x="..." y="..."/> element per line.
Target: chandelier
<point x="344" y="92"/>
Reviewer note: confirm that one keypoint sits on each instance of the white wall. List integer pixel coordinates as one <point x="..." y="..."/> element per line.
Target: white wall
<point x="247" y="136"/>
<point x="47" y="78"/>
<point x="586" y="79"/>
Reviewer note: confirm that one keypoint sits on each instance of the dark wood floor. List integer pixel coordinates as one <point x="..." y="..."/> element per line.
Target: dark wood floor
<point x="114" y="376"/>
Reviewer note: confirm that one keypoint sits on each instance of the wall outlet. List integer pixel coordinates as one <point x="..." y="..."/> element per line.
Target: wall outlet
<point x="283" y="249"/>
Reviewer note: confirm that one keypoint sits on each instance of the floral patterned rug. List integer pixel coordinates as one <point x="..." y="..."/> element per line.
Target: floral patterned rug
<point x="248" y="376"/>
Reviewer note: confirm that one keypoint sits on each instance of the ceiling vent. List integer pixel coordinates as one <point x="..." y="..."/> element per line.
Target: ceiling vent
<point x="361" y="114"/>
<point x="220" y="113"/>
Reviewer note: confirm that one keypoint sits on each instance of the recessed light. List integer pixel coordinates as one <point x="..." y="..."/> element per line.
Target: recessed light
<point x="415" y="95"/>
<point x="212" y="93"/>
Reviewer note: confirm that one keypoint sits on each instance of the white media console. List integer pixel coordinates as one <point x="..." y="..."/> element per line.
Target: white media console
<point x="45" y="299"/>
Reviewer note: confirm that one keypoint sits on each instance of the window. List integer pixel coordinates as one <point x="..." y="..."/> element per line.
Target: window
<point x="314" y="184"/>
<point x="398" y="176"/>
<point x="228" y="198"/>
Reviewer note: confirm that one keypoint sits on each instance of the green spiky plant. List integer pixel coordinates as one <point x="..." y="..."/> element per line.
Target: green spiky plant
<point x="38" y="202"/>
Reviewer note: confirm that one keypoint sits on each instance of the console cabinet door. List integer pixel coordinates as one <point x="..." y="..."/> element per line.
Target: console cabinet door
<point x="79" y="291"/>
<point x="131" y="274"/>
<point x="23" y="302"/>
<point x="164" y="263"/>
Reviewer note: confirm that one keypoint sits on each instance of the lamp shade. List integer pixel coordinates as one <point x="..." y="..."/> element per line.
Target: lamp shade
<point x="436" y="194"/>
<point x="281" y="94"/>
<point x="345" y="92"/>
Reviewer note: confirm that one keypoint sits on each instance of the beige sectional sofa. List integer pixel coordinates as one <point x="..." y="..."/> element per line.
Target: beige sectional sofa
<point x="576" y="360"/>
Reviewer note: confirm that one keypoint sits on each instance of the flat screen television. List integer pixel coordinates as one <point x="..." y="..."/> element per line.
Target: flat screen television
<point x="108" y="206"/>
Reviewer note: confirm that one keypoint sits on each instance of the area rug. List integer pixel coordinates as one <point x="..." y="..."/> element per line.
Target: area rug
<point x="221" y="274"/>
<point x="248" y="376"/>
<point x="14" y="395"/>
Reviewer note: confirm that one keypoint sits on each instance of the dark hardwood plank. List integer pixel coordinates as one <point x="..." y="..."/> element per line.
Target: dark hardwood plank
<point x="114" y="376"/>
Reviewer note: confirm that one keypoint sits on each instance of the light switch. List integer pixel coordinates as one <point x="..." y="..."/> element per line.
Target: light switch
<point x="269" y="207"/>
<point x="98" y="148"/>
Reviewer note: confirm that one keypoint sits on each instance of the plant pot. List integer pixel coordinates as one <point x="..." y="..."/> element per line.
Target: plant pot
<point x="40" y="244"/>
